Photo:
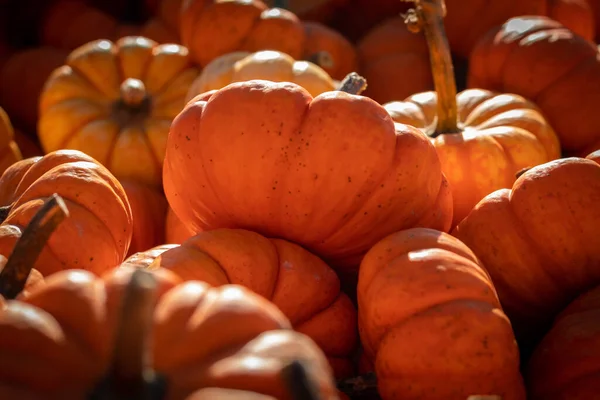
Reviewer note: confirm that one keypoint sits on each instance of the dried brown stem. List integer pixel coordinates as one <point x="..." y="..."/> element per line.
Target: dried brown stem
<point x="353" y="83"/>
<point x="28" y="248"/>
<point x="298" y="382"/>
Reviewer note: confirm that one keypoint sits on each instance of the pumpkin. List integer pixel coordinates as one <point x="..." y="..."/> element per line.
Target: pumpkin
<point x="115" y="102"/>
<point x="482" y="138"/>
<point x="541" y="60"/>
<point x="267" y="64"/>
<point x="156" y="30"/>
<point x="565" y="363"/>
<point x="149" y="211"/>
<point x="431" y="322"/>
<point x="97" y="234"/>
<point x="175" y="231"/>
<point x="101" y="342"/>
<point x="275" y="269"/>
<point x="577" y="15"/>
<point x="267" y="167"/>
<point x="9" y="150"/>
<point x="27" y="143"/>
<point x="394" y="61"/>
<point x="595" y="156"/>
<point x="22" y="78"/>
<point x="539" y="241"/>
<point x="213" y="28"/>
<point x="311" y="10"/>
<point x="143" y="259"/>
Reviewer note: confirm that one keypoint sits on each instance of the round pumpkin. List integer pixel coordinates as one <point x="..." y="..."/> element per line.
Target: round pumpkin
<point x="577" y="15"/>
<point x="304" y="288"/>
<point x="98" y="232"/>
<point x="100" y="342"/>
<point x="431" y="322"/>
<point x="595" y="156"/>
<point x="175" y="231"/>
<point x="539" y="241"/>
<point x="482" y="138"/>
<point x="538" y="58"/>
<point x="156" y="30"/>
<point x="565" y="363"/>
<point x="258" y="155"/>
<point x="9" y="150"/>
<point x="149" y="211"/>
<point x="268" y="65"/>
<point x="115" y="102"/>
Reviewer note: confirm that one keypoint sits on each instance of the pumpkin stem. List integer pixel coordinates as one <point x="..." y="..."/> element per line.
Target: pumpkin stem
<point x="353" y="83"/>
<point x="130" y="375"/>
<point x="521" y="172"/>
<point x="28" y="248"/>
<point x="299" y="384"/>
<point x="321" y="58"/>
<point x="428" y="16"/>
<point x="134" y="104"/>
<point x="133" y="92"/>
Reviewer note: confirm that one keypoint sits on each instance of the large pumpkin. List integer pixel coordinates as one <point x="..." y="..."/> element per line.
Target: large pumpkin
<point x="100" y="342"/>
<point x="98" y="232"/>
<point x="296" y="281"/>
<point x="539" y="241"/>
<point x="268" y="65"/>
<point x="566" y="364"/>
<point x="331" y="173"/>
<point x="543" y="61"/>
<point x="9" y="150"/>
<point x="482" y="138"/>
<point x="431" y="321"/>
<point x="175" y="230"/>
<point x="115" y="102"/>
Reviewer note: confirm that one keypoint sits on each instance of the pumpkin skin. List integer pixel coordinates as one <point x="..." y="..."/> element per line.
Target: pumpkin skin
<point x="144" y="259"/>
<point x="336" y="211"/>
<point x="149" y="211"/>
<point x="268" y="65"/>
<point x="312" y="10"/>
<point x="543" y="249"/>
<point x="274" y="269"/>
<point x="115" y="102"/>
<point x="566" y="364"/>
<point x="595" y="156"/>
<point x="499" y="134"/>
<point x="97" y="234"/>
<point x="423" y="294"/>
<point x="577" y="15"/>
<point x="73" y="345"/>
<point x="389" y="51"/>
<point x="528" y="56"/>
<point x="9" y="150"/>
<point x="175" y="231"/>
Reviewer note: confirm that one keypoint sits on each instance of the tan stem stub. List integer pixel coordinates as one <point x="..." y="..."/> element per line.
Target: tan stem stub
<point x="353" y="83"/>
<point x="428" y="16"/>
<point x="133" y="92"/>
<point x="30" y="245"/>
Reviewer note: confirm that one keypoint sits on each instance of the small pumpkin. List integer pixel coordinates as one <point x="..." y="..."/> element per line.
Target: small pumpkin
<point x="266" y="147"/>
<point x="539" y="241"/>
<point x="9" y="150"/>
<point x="115" y="102"/>
<point x="431" y="322"/>
<point x="100" y="343"/>
<point x="482" y="138"/>
<point x="149" y="211"/>
<point x="175" y="231"/>
<point x="565" y="363"/>
<point x="98" y="232"/>
<point x="268" y="65"/>
<point x="540" y="59"/>
<point x="311" y="10"/>
<point x="304" y="288"/>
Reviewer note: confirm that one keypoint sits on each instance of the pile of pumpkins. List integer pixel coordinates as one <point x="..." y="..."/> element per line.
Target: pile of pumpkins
<point x="302" y="200"/>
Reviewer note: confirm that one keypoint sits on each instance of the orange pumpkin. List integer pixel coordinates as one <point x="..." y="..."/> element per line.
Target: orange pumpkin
<point x="539" y="241"/>
<point x="97" y="234"/>
<point x="312" y="10"/>
<point x="27" y="143"/>
<point x="565" y="365"/>
<point x="272" y="155"/>
<point x="541" y="60"/>
<point x="139" y="314"/>
<point x="577" y="15"/>
<point x="115" y="102"/>
<point x="274" y="269"/>
<point x="431" y="321"/>
<point x="175" y="231"/>
<point x="268" y="64"/>
<point x="482" y="138"/>
<point x="149" y="211"/>
<point x="9" y="150"/>
<point x="595" y="156"/>
<point x="156" y="30"/>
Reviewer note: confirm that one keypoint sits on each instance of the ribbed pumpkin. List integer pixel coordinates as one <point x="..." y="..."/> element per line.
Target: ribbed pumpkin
<point x="482" y="138"/>
<point x="9" y="150"/>
<point x="304" y="288"/>
<point x="101" y="342"/>
<point x="98" y="232"/>
<point x="268" y="65"/>
<point x="539" y="241"/>
<point x="543" y="61"/>
<point x="431" y="322"/>
<point x="257" y="155"/>
<point x="115" y="102"/>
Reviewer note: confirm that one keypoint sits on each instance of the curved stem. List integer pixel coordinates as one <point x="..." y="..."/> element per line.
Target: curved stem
<point x="298" y="382"/>
<point x="353" y="83"/>
<point x="133" y="92"/>
<point x="428" y="15"/>
<point x="28" y="248"/>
